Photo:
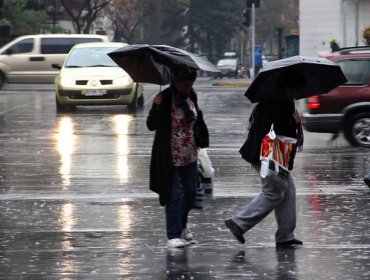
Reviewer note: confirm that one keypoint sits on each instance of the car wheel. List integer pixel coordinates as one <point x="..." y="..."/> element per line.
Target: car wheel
<point x="357" y="130"/>
<point x="141" y="101"/>
<point x="2" y="80"/>
<point x="134" y="104"/>
<point x="60" y="108"/>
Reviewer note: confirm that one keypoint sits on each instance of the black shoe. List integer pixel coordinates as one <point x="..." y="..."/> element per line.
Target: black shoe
<point x="235" y="230"/>
<point x="367" y="180"/>
<point x="293" y="242"/>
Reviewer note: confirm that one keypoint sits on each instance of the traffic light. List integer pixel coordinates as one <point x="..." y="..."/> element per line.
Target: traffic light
<point x="247" y="17"/>
<point x="256" y="3"/>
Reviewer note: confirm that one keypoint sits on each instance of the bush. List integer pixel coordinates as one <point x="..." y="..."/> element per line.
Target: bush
<point x="366" y="35"/>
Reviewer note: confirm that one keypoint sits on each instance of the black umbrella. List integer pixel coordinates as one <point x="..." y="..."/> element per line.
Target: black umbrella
<point x="158" y="64"/>
<point x="321" y="75"/>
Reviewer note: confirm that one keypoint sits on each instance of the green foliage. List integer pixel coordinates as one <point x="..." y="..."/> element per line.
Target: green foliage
<point x="201" y="26"/>
<point x="22" y="19"/>
<point x="184" y="3"/>
<point x="212" y="24"/>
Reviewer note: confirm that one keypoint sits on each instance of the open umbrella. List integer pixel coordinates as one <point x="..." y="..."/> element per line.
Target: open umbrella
<point x="158" y="64"/>
<point x="321" y="75"/>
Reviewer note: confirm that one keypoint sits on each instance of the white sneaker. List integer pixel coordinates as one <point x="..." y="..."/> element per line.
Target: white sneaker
<point x="186" y="235"/>
<point x="176" y="243"/>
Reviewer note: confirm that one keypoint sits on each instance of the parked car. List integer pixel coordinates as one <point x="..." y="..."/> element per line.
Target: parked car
<point x="346" y="108"/>
<point x="90" y="77"/>
<point x="29" y="59"/>
<point x="229" y="67"/>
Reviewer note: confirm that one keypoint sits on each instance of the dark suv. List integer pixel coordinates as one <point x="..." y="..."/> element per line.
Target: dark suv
<point x="346" y="108"/>
<point x="230" y="68"/>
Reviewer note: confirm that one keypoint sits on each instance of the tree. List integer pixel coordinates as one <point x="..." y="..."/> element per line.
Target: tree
<point x="275" y="14"/>
<point x="366" y="35"/>
<point x="84" y="14"/>
<point x="212" y="25"/>
<point x="22" y="17"/>
<point x="126" y="16"/>
<point x="201" y="26"/>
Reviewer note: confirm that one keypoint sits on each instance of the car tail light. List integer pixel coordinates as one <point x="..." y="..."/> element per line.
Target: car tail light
<point x="313" y="103"/>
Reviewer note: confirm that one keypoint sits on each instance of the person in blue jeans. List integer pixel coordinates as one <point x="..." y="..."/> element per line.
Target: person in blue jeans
<point x="175" y="117"/>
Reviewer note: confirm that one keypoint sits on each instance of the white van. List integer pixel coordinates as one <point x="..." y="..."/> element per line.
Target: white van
<point x="29" y="59"/>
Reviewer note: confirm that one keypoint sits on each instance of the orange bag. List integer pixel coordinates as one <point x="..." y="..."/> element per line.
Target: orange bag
<point x="275" y="154"/>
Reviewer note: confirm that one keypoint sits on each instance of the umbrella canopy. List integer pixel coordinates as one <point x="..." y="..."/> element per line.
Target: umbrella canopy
<point x="158" y="64"/>
<point x="321" y="76"/>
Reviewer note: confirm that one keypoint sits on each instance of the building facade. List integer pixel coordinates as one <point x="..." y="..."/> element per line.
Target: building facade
<point x="323" y="21"/>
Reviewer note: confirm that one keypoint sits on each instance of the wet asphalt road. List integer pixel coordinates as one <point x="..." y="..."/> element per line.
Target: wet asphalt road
<point x="75" y="204"/>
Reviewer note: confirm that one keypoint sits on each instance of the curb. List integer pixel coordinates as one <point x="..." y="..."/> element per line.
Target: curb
<point x="243" y="84"/>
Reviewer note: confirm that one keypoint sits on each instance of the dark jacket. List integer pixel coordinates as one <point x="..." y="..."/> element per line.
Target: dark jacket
<point x="277" y="112"/>
<point x="159" y="119"/>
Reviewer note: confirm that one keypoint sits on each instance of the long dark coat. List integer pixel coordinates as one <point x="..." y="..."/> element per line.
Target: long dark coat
<point x="159" y="119"/>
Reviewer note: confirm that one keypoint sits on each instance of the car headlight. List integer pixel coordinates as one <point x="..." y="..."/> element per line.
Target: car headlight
<point x="123" y="81"/>
<point x="67" y="82"/>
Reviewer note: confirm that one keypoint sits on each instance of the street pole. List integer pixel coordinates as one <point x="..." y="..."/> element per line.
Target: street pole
<point x="357" y="22"/>
<point x="253" y="43"/>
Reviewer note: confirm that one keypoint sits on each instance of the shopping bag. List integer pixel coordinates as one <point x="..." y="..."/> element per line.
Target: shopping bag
<point x="205" y="175"/>
<point x="276" y="152"/>
<point x="205" y="170"/>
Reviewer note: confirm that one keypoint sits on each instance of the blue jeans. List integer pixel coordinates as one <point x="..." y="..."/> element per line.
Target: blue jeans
<point x="183" y="191"/>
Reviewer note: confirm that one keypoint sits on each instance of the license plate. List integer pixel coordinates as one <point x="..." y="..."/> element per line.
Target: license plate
<point x="94" y="92"/>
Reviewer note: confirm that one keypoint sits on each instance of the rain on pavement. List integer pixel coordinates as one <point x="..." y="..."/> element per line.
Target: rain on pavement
<point x="75" y="204"/>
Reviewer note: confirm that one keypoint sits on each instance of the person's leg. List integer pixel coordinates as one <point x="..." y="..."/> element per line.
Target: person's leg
<point x="189" y="180"/>
<point x="285" y="214"/>
<point x="174" y="207"/>
<point x="269" y="198"/>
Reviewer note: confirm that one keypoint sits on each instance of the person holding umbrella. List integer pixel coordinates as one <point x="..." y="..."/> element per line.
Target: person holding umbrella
<point x="275" y="89"/>
<point x="179" y="131"/>
<point x="280" y="112"/>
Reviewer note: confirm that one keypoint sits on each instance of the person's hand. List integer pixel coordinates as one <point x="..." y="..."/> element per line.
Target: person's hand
<point x="296" y="117"/>
<point x="158" y="99"/>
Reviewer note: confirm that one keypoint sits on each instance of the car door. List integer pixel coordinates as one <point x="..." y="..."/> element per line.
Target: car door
<point x="19" y="59"/>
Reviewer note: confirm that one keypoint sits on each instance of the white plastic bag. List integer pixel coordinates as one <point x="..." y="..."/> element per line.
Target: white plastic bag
<point x="204" y="164"/>
<point x="206" y="171"/>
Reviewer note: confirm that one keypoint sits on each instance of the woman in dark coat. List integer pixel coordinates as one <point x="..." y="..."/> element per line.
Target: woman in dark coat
<point x="175" y="118"/>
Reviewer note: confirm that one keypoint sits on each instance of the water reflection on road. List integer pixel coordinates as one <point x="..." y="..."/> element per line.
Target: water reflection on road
<point x="75" y="203"/>
<point x="65" y="141"/>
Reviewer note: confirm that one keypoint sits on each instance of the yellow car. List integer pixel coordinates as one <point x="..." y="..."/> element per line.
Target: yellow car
<point x="90" y="77"/>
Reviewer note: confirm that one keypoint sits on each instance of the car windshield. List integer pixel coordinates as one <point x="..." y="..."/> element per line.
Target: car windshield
<point x="90" y="57"/>
<point x="226" y="62"/>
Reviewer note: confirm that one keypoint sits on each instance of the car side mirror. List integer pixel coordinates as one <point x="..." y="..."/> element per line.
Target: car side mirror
<point x="9" y="51"/>
<point x="56" y="66"/>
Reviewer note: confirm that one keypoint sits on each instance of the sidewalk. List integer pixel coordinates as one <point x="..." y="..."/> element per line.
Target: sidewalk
<point x="226" y="82"/>
<point x="245" y="82"/>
